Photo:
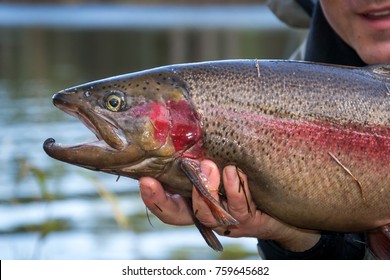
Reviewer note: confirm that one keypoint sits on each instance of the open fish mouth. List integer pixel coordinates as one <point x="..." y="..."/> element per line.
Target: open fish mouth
<point x="108" y="134"/>
<point x="93" y="155"/>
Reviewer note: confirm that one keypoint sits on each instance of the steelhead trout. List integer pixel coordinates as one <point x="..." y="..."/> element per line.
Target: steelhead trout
<point x="313" y="139"/>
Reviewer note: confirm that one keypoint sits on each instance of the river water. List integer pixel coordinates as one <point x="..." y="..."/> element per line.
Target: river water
<point x="51" y="210"/>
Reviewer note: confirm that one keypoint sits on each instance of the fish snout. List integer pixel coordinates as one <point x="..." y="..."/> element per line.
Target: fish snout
<point x="65" y="99"/>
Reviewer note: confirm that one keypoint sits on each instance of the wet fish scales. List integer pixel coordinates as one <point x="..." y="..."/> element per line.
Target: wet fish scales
<point x="313" y="139"/>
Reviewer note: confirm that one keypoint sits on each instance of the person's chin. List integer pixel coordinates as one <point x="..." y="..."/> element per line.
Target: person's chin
<point x="375" y="52"/>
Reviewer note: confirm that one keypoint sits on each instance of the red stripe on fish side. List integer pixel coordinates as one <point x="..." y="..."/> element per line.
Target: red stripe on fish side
<point x="357" y="141"/>
<point x="363" y="142"/>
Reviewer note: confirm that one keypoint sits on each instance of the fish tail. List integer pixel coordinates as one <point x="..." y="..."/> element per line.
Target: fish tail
<point x="379" y="242"/>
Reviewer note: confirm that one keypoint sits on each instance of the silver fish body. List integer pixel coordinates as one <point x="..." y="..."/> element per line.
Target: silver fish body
<point x="314" y="140"/>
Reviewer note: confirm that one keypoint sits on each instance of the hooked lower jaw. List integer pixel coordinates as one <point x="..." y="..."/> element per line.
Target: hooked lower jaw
<point x="60" y="151"/>
<point x="89" y="154"/>
<point x="81" y="154"/>
<point x="94" y="155"/>
<point x="51" y="144"/>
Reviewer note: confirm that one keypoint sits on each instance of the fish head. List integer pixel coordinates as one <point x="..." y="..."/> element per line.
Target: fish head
<point x="142" y="122"/>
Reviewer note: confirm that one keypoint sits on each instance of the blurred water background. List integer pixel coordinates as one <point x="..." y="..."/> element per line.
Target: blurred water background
<point x="50" y="210"/>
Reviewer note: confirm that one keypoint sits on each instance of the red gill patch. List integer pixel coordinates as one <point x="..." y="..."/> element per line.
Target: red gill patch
<point x="185" y="127"/>
<point x="159" y="116"/>
<point x="177" y="119"/>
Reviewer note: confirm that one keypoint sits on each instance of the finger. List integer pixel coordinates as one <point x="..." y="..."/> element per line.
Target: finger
<point x="201" y="210"/>
<point x="171" y="209"/>
<point x="239" y="199"/>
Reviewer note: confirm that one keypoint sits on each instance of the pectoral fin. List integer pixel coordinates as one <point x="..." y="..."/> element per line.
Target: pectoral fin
<point x="193" y="171"/>
<point x="206" y="232"/>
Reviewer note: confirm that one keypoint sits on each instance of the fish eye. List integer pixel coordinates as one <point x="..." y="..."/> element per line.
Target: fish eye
<point x="114" y="102"/>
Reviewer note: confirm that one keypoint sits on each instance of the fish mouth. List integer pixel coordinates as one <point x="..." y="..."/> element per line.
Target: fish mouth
<point x="104" y="129"/>
<point x="110" y="137"/>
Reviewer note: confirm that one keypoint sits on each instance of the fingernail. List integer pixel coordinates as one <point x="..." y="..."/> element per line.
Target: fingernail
<point x="146" y="191"/>
<point x="230" y="173"/>
<point x="206" y="170"/>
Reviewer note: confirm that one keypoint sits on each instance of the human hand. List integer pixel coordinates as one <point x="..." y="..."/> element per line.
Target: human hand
<point x="252" y="222"/>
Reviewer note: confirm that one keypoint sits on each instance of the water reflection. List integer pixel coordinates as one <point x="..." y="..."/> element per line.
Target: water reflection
<point x="50" y="210"/>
